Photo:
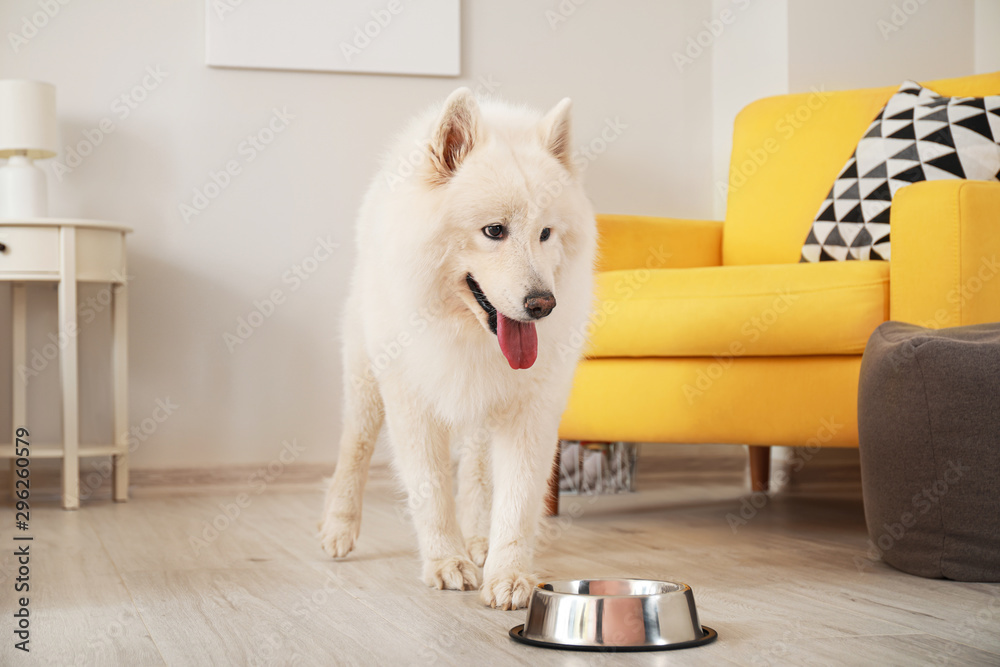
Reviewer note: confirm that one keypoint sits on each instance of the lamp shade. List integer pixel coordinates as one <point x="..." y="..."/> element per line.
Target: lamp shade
<point x="27" y="118"/>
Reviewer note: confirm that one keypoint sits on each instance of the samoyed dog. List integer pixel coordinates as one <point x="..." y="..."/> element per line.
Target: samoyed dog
<point x="462" y="331"/>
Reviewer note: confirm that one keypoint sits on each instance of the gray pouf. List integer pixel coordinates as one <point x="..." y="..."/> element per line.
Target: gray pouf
<point x="929" y="429"/>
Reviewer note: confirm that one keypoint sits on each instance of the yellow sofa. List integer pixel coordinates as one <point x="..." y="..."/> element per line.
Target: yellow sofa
<point x="712" y="332"/>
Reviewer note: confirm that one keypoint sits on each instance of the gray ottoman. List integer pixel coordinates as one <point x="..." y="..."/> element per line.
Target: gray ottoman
<point x="929" y="429"/>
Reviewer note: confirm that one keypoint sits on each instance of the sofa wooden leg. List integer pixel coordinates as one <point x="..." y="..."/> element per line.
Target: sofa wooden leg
<point x="760" y="467"/>
<point x="552" y="499"/>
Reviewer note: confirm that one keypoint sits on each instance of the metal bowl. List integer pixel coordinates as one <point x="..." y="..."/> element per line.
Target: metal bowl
<point x="612" y="615"/>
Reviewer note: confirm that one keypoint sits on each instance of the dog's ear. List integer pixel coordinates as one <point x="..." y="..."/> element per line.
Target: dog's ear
<point x="454" y="134"/>
<point x="556" y="133"/>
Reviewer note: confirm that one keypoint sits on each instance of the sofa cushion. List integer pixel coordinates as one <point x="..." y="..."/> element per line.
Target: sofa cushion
<point x="733" y="311"/>
<point x="917" y="136"/>
<point x="930" y="466"/>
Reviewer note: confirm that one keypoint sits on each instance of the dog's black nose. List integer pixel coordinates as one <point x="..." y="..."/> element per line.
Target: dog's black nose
<point x="539" y="304"/>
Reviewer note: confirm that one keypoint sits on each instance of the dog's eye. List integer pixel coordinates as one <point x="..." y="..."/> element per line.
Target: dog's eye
<point x="546" y="233"/>
<point x="494" y="231"/>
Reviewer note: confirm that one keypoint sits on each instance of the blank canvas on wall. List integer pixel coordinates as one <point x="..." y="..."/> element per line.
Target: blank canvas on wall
<point x="365" y="36"/>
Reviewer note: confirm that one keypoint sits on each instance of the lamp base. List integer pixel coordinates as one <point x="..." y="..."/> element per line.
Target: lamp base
<point x="23" y="189"/>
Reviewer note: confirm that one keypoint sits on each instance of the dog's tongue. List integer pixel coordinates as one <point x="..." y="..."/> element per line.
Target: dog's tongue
<point x="518" y="341"/>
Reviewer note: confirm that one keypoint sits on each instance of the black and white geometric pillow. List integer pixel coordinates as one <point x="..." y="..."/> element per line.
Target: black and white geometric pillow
<point x="918" y="136"/>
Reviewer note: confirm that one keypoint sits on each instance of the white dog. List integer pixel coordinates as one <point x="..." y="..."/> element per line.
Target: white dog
<point x="463" y="326"/>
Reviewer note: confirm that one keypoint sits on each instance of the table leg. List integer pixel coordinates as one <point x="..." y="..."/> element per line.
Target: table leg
<point x="19" y="386"/>
<point x="69" y="370"/>
<point x="119" y="327"/>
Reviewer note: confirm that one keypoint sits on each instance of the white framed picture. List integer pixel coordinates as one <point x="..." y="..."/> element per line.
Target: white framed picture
<point x="364" y="36"/>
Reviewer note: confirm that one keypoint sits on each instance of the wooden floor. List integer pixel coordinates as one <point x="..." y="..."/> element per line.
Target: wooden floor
<point x="126" y="584"/>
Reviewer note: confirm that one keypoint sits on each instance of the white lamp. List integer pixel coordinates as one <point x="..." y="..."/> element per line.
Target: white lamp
<point x="27" y="132"/>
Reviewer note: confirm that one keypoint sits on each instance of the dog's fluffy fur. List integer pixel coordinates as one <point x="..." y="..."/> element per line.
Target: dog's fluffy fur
<point x="420" y="352"/>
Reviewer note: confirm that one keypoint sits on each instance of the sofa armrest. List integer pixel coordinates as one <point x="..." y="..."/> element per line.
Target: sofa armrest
<point x="945" y="267"/>
<point x="636" y="242"/>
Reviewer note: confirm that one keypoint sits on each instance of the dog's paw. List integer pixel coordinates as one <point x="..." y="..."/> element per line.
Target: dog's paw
<point x="507" y="589"/>
<point x="455" y="573"/>
<point x="478" y="547"/>
<point x="338" y="535"/>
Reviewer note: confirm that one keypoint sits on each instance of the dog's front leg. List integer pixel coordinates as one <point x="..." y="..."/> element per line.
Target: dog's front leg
<point x="474" y="494"/>
<point x="422" y="456"/>
<point x="522" y="460"/>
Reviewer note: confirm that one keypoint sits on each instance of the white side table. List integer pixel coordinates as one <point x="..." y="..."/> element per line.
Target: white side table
<point x="69" y="252"/>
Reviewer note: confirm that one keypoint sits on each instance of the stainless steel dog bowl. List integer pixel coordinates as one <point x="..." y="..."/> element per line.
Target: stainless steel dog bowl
<point x="612" y="615"/>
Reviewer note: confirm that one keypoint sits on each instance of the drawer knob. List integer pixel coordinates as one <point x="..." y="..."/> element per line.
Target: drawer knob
<point x="3" y="247"/>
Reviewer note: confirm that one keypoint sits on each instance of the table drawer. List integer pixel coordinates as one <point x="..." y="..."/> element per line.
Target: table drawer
<point x="29" y="249"/>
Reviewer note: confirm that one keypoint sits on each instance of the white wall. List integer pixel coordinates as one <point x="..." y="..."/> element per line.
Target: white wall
<point x="749" y="61"/>
<point x="987" y="42"/>
<point x="862" y="43"/>
<point x="192" y="281"/>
